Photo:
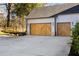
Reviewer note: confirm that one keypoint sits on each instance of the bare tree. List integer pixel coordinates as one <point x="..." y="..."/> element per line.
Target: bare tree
<point x="8" y="7"/>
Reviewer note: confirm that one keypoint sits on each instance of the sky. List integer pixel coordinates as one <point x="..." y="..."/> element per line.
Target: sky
<point x="3" y="8"/>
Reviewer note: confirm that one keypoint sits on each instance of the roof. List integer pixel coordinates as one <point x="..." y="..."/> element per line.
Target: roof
<point x="50" y="10"/>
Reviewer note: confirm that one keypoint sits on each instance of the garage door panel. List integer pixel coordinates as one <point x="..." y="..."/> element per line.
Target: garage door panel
<point x="40" y="29"/>
<point x="63" y="29"/>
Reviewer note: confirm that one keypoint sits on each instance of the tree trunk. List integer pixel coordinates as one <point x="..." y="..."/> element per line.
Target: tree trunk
<point x="8" y="15"/>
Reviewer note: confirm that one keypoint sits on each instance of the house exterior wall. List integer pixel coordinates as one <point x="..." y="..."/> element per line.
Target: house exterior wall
<point x="44" y="20"/>
<point x="73" y="18"/>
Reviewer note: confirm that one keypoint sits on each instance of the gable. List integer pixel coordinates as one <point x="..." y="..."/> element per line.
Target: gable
<point x="71" y="10"/>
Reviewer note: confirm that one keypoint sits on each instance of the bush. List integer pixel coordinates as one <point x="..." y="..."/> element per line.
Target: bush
<point x="75" y="40"/>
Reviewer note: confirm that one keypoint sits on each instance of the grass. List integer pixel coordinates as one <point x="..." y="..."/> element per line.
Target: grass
<point x="2" y="33"/>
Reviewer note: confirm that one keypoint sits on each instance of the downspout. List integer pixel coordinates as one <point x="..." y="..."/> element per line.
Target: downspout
<point x="55" y="24"/>
<point x="26" y="25"/>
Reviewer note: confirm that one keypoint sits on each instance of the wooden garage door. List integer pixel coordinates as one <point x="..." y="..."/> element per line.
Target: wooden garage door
<point x="40" y="29"/>
<point x="63" y="29"/>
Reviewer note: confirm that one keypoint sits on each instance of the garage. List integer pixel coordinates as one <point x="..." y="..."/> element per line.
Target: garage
<point x="40" y="29"/>
<point x="63" y="29"/>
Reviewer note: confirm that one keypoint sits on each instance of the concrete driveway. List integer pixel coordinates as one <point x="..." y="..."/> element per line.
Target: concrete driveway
<point x="34" y="46"/>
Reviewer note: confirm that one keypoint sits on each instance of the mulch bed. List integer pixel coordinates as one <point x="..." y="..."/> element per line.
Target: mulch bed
<point x="72" y="53"/>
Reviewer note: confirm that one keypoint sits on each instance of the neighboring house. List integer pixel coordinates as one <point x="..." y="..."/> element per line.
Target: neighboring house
<point x="56" y="20"/>
<point x="1" y="15"/>
<point x="1" y="20"/>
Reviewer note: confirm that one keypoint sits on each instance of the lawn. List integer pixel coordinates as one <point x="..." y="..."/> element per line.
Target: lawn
<point x="2" y="33"/>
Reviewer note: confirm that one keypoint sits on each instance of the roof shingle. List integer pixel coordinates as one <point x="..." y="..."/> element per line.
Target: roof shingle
<point x="50" y="10"/>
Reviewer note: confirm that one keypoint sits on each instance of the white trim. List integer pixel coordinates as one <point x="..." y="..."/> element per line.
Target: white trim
<point x="45" y="20"/>
<point x="28" y="29"/>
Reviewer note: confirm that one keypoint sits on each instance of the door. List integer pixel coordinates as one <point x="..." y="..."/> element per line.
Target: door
<point x="63" y="29"/>
<point x="40" y="29"/>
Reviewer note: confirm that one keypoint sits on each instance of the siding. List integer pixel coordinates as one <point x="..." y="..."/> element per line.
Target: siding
<point x="73" y="18"/>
